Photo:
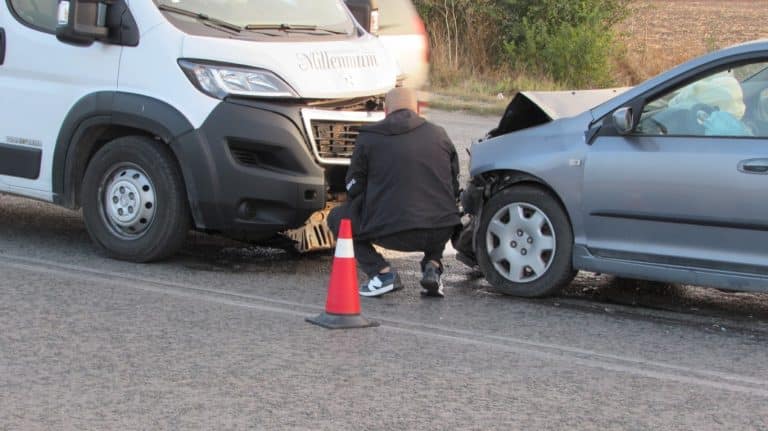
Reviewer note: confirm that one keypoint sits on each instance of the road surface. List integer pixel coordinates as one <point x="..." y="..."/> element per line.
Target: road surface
<point x="215" y="338"/>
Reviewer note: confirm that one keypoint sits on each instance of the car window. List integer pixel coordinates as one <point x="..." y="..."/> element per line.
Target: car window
<point x="39" y="14"/>
<point x="731" y="102"/>
<point x="396" y="17"/>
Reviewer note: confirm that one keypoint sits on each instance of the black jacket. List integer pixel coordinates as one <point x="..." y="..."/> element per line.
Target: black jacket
<point x="405" y="170"/>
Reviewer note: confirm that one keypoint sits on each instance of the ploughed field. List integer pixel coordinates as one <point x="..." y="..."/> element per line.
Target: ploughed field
<point x="660" y="34"/>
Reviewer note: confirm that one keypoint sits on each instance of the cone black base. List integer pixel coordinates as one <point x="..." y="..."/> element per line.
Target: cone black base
<point x="341" y="321"/>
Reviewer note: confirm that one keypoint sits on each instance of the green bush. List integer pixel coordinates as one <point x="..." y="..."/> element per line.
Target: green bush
<point x="570" y="41"/>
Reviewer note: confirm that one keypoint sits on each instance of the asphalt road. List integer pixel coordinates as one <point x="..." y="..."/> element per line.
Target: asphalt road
<point x="215" y="338"/>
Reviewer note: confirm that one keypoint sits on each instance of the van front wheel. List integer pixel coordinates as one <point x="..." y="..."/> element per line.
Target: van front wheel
<point x="134" y="201"/>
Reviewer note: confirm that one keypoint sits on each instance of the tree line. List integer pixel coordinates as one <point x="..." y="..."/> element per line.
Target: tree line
<point x="570" y="42"/>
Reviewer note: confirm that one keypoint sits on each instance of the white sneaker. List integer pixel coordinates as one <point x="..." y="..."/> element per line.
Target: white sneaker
<point x="382" y="283"/>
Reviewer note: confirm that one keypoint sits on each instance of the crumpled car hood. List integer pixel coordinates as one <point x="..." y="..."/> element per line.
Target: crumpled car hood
<point x="533" y="108"/>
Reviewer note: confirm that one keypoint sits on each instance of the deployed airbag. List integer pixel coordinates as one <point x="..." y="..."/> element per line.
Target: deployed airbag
<point x="720" y="123"/>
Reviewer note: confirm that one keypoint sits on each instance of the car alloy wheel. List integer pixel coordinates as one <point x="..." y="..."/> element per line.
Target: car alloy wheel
<point x="524" y="242"/>
<point x="520" y="242"/>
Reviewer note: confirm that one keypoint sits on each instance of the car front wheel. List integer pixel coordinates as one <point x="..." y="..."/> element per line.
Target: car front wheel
<point x="524" y="242"/>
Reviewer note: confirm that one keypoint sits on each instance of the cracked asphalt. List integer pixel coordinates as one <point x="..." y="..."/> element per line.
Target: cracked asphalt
<point x="215" y="338"/>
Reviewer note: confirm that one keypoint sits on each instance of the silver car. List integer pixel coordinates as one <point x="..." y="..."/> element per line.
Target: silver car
<point x="665" y="181"/>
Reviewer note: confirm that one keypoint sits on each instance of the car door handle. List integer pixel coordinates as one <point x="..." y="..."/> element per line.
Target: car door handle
<point x="2" y="45"/>
<point x="754" y="166"/>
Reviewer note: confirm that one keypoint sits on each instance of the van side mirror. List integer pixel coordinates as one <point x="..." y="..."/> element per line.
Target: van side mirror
<point x="623" y="120"/>
<point x="82" y="21"/>
<point x="366" y="12"/>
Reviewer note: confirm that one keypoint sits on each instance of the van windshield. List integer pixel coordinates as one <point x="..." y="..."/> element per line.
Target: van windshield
<point x="327" y="14"/>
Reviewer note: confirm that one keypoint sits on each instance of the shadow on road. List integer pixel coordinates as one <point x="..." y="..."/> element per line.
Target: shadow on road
<point x="669" y="297"/>
<point x="28" y="225"/>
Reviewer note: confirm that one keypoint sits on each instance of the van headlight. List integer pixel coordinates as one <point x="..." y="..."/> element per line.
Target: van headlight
<point x="220" y="81"/>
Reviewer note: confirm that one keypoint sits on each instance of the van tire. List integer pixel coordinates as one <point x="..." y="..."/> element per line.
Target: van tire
<point x="134" y="201"/>
<point x="509" y="242"/>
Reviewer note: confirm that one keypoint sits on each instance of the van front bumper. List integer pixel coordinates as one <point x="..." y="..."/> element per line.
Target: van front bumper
<point x="249" y="171"/>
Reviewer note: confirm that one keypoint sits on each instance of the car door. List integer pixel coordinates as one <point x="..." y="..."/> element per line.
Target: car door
<point x="41" y="79"/>
<point x="688" y="186"/>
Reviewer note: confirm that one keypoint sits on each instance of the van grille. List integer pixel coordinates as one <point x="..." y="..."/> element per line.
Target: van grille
<point x="335" y="140"/>
<point x="333" y="133"/>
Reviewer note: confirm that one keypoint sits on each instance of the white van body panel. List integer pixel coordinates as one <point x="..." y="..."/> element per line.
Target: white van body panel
<point x="316" y="70"/>
<point x="40" y="80"/>
<point x="157" y="55"/>
<point x="39" y="195"/>
<point x="146" y="15"/>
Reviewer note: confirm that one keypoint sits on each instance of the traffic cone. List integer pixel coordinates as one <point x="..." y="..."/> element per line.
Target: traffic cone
<point x="342" y="308"/>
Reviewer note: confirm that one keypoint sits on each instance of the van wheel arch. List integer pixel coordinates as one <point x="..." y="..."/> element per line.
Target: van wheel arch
<point x="87" y="142"/>
<point x="98" y="118"/>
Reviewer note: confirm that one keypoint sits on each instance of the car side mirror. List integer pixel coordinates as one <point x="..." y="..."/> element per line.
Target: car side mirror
<point x="80" y="22"/>
<point x="623" y="120"/>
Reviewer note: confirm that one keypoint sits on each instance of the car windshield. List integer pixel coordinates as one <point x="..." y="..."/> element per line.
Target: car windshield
<point x="279" y="14"/>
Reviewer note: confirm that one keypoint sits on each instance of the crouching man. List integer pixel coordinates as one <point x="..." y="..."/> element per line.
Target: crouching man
<point x="402" y="186"/>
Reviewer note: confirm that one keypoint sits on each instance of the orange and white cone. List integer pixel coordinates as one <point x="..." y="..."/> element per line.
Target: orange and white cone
<point x="342" y="307"/>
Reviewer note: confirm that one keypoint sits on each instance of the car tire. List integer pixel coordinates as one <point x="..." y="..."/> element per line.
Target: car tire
<point x="524" y="244"/>
<point x="134" y="200"/>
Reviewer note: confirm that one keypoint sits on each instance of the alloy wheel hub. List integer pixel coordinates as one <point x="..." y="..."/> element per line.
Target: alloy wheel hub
<point x="520" y="242"/>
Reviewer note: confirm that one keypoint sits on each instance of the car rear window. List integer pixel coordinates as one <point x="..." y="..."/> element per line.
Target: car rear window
<point x="397" y="17"/>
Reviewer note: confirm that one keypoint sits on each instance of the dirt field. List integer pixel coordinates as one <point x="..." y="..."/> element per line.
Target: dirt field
<point x="660" y="34"/>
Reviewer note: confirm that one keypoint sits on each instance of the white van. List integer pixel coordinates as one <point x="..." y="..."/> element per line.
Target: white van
<point x="155" y="116"/>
